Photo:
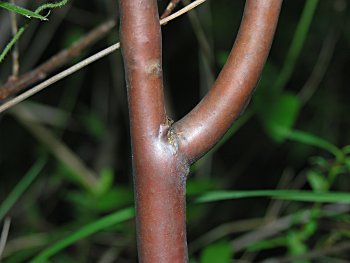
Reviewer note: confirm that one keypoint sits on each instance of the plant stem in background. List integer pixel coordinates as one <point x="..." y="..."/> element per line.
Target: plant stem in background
<point x="22" y="185"/>
<point x="296" y="44"/>
<point x="15" y="52"/>
<point x="12" y="87"/>
<point x="4" y="235"/>
<point x="58" y="60"/>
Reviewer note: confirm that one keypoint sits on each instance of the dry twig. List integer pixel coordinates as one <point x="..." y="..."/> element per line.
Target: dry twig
<point x="39" y="73"/>
<point x="33" y="74"/>
<point x="4" y="234"/>
<point x="169" y="9"/>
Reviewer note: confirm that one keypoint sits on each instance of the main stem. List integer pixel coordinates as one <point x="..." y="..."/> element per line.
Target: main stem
<point x="162" y="151"/>
<point x="159" y="171"/>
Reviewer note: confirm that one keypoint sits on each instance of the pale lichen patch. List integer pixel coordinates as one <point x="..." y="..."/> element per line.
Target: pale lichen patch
<point x="154" y="68"/>
<point x="172" y="140"/>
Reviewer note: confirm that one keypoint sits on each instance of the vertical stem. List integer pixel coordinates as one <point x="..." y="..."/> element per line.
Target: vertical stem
<point x="159" y="170"/>
<point x="162" y="151"/>
<point x="15" y="52"/>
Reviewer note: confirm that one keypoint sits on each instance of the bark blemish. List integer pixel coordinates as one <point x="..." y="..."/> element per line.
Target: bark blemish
<point x="172" y="140"/>
<point x="154" y="68"/>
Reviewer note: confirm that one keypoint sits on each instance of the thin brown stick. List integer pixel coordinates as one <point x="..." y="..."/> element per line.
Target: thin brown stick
<point x="15" y="85"/>
<point x="4" y="234"/>
<point x="169" y="9"/>
<point x="85" y="62"/>
<point x="58" y="77"/>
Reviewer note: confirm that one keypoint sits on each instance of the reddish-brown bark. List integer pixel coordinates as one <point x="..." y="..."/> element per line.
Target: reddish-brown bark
<point x="162" y="151"/>
<point x="200" y="129"/>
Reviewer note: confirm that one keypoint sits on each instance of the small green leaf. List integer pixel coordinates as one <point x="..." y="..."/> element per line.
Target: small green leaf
<point x="267" y="244"/>
<point x="22" y="11"/>
<point x="347" y="163"/>
<point x="94" y="124"/>
<point x="222" y="57"/>
<point x="295" y="245"/>
<point x="317" y="181"/>
<point x="320" y="162"/>
<point x="105" y="182"/>
<point x="346" y="150"/>
<point x="277" y="112"/>
<point x="21" y="187"/>
<point x="220" y="252"/>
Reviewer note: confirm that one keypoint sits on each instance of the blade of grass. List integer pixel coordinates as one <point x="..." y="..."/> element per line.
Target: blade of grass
<point x="105" y="222"/>
<point x="291" y="195"/>
<point x="296" y="44"/>
<point x="310" y="139"/>
<point x="22" y="11"/>
<point x="23" y="185"/>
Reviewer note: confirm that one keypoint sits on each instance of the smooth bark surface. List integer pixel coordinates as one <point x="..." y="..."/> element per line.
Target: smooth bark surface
<point x="159" y="172"/>
<point x="162" y="151"/>
<point x="200" y="129"/>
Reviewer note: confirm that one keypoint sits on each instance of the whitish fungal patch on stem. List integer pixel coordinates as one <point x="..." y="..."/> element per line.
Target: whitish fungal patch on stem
<point x="153" y="68"/>
<point x="172" y="140"/>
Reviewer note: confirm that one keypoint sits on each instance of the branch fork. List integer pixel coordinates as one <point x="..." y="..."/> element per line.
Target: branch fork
<point x="162" y="149"/>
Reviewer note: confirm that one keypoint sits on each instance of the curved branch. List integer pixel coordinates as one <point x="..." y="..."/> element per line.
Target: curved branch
<point x="200" y="129"/>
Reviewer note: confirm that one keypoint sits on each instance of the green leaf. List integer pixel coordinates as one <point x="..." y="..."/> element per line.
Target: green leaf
<point x="94" y="124"/>
<point x="320" y="162"/>
<point x="220" y="252"/>
<point x="347" y="163"/>
<point x="291" y="195"/>
<point x="113" y="199"/>
<point x="267" y="244"/>
<point x="103" y="223"/>
<point x="296" y="45"/>
<point x="21" y="30"/>
<point x="22" y="11"/>
<point x="310" y="139"/>
<point x="346" y="149"/>
<point x="278" y="112"/>
<point x="296" y="246"/>
<point x="20" y="188"/>
<point x="105" y="182"/>
<point x="317" y="181"/>
<point x="222" y="57"/>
